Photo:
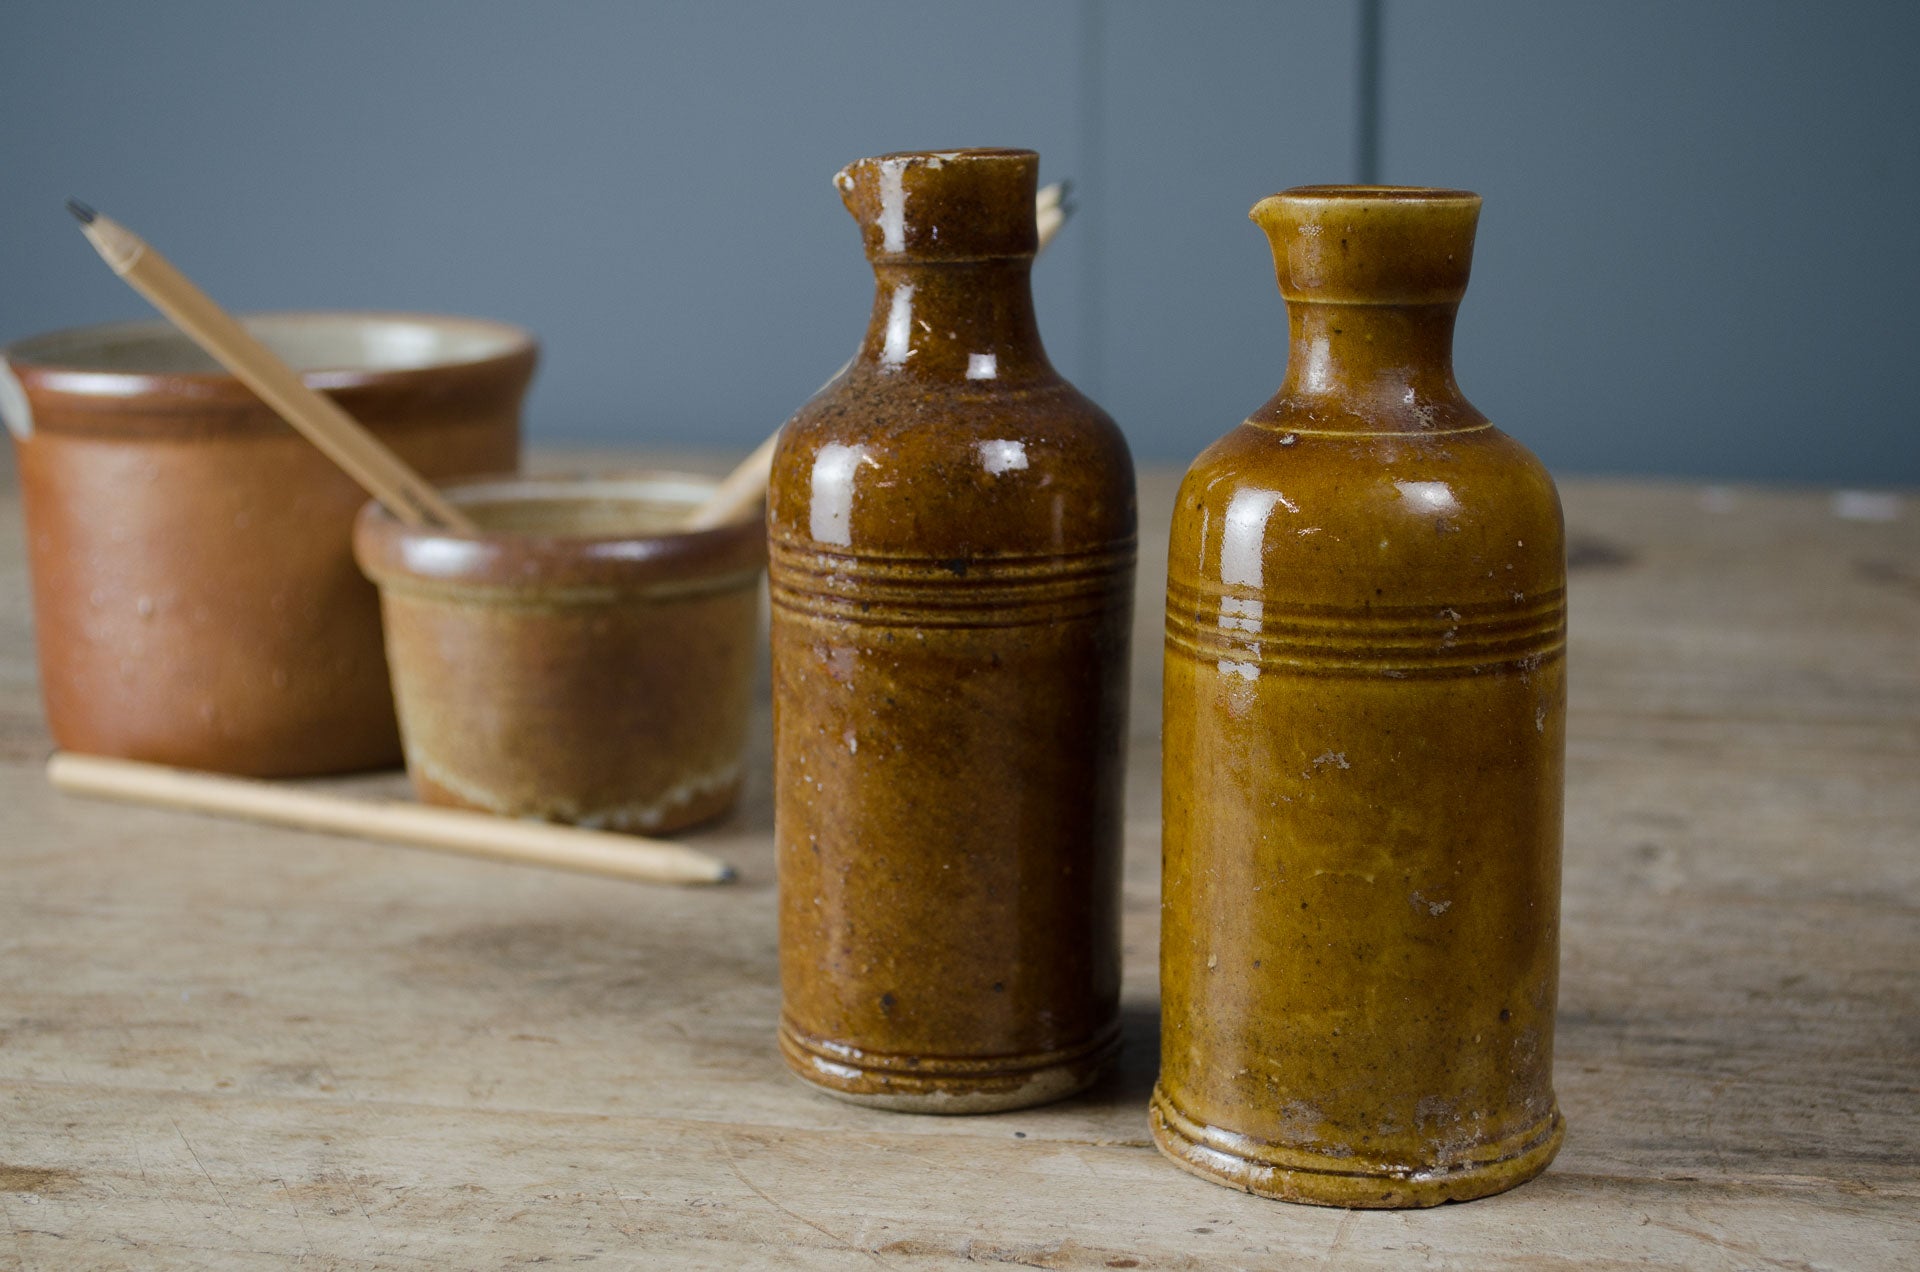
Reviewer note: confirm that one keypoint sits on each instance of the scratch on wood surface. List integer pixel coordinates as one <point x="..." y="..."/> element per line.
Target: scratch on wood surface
<point x="1340" y="1231"/>
<point x="1080" y="1156"/>
<point x="726" y="1151"/>
<point x="166" y="1198"/>
<point x="353" y="1191"/>
<point x="306" y="1238"/>
<point x="1065" y="1253"/>
<point x="330" y="1081"/>
<point x="19" y="1238"/>
<point x="202" y="1165"/>
<point x="627" y="1227"/>
<point x="1739" y="1247"/>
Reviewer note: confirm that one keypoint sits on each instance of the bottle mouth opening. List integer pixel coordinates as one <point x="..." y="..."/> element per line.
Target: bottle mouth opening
<point x="1376" y="194"/>
<point x="960" y="154"/>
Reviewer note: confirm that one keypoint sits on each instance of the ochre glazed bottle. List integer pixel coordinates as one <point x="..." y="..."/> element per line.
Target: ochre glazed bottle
<point x="1364" y="735"/>
<point x="952" y="547"/>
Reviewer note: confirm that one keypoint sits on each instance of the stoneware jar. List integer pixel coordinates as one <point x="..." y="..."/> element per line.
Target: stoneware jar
<point x="1365" y="709"/>
<point x="951" y="566"/>
<point x="577" y="659"/>
<point x="194" y="594"/>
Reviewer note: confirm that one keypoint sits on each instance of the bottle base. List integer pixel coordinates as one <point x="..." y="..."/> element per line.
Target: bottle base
<point x="1285" y="1174"/>
<point x="943" y="1085"/>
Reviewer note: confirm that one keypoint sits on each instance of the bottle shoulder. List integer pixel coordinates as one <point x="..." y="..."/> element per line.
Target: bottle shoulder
<point x="913" y="467"/>
<point x="927" y="414"/>
<point x="1363" y="519"/>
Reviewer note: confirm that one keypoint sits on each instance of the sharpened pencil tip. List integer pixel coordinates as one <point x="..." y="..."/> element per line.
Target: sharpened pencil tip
<point x="81" y="212"/>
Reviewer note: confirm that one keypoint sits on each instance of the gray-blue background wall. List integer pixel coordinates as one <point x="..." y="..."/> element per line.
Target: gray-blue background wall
<point x="1698" y="255"/>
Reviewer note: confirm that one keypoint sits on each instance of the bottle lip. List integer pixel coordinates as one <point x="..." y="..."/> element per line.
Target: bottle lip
<point x="944" y="205"/>
<point x="1351" y="244"/>
<point x="958" y="154"/>
<point x="1374" y="194"/>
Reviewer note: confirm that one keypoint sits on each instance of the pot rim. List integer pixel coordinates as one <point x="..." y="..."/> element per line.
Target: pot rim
<point x="43" y="359"/>
<point x="549" y="567"/>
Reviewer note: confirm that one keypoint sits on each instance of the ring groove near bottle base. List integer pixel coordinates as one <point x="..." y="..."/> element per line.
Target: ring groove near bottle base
<point x="1315" y="1179"/>
<point x="944" y="1084"/>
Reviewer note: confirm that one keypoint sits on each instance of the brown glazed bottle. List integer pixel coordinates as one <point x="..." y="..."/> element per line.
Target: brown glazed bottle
<point x="951" y="563"/>
<point x="1364" y="737"/>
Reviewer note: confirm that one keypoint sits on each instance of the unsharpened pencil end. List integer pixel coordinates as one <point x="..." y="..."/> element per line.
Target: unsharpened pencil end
<point x="81" y="212"/>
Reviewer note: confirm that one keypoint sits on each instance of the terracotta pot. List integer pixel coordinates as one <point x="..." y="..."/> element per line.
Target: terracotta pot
<point x="578" y="659"/>
<point x="195" y="598"/>
<point x="1365" y="712"/>
<point x="952" y="560"/>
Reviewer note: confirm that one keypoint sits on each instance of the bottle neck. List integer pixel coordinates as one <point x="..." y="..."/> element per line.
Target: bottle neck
<point x="955" y="320"/>
<point x="1380" y="367"/>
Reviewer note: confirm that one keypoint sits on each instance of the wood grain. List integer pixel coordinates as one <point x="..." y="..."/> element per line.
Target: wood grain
<point x="226" y="1046"/>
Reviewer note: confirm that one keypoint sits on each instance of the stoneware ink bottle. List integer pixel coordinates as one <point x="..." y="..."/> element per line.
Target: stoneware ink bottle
<point x="952" y="546"/>
<point x="1365" y="707"/>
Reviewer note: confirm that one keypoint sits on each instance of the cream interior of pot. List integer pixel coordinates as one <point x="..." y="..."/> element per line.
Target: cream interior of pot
<point x="306" y="342"/>
<point x="583" y="508"/>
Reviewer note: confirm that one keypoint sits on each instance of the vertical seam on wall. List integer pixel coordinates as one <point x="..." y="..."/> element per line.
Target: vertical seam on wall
<point x="1366" y="139"/>
<point x="1091" y="210"/>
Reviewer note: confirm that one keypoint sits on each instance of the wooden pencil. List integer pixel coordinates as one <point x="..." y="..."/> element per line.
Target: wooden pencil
<point x="417" y="825"/>
<point x="383" y="474"/>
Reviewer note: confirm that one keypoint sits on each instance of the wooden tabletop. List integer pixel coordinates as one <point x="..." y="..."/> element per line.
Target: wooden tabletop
<point x="224" y="1046"/>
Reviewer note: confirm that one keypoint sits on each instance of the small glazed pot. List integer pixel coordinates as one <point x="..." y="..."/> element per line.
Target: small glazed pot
<point x="577" y="659"/>
<point x="195" y="598"/>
